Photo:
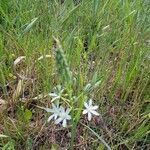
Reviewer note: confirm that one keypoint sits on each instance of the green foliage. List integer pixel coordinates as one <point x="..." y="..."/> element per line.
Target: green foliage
<point x="9" y="146"/>
<point x="141" y="131"/>
<point x="97" y="49"/>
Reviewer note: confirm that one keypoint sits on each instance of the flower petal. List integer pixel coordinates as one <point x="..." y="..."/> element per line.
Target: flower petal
<point x="94" y="112"/>
<point x="53" y="105"/>
<point x="49" y="110"/>
<point x="68" y="117"/>
<point x="68" y="110"/>
<point x="50" y="118"/>
<point x="64" y="124"/>
<point x="86" y="105"/>
<point x="52" y="94"/>
<point x="84" y="111"/>
<point x="53" y="99"/>
<point x="55" y="116"/>
<point x="90" y="102"/>
<point x="58" y="120"/>
<point x="95" y="107"/>
<point x="89" y="116"/>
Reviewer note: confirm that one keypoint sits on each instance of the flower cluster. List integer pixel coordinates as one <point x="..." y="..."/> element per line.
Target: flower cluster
<point x="61" y="115"/>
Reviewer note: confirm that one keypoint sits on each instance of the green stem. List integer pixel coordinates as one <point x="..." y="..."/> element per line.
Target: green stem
<point x="73" y="134"/>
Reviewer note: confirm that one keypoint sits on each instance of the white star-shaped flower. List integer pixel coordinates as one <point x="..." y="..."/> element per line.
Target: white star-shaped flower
<point x="90" y="110"/>
<point x="57" y="93"/>
<point x="63" y="116"/>
<point x="55" y="110"/>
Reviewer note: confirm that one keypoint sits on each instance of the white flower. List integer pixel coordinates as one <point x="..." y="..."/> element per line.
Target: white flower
<point x="90" y="109"/>
<point x="59" y="114"/>
<point x="55" y="110"/>
<point x="63" y="116"/>
<point x="57" y="93"/>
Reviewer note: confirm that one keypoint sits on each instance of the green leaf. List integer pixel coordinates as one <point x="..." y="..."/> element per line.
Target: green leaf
<point x="9" y="146"/>
<point x="141" y="132"/>
<point x="55" y="147"/>
<point x="29" y="26"/>
<point x="101" y="147"/>
<point x="29" y="143"/>
<point x="27" y="115"/>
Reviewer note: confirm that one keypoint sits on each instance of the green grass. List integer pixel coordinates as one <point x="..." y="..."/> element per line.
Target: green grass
<point x="98" y="49"/>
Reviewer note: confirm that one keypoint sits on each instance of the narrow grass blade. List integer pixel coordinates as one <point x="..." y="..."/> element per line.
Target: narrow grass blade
<point x="100" y="138"/>
<point x="30" y="25"/>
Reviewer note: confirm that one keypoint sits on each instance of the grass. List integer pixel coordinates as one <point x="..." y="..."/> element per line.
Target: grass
<point x="93" y="49"/>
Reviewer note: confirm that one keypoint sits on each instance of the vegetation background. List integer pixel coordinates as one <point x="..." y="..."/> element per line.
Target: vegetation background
<point x="106" y="40"/>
